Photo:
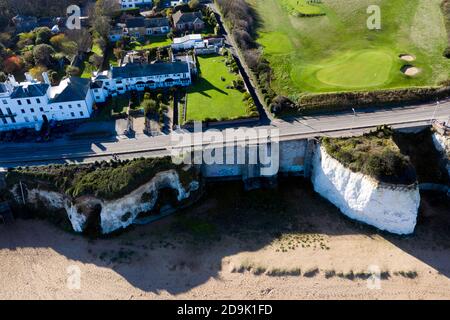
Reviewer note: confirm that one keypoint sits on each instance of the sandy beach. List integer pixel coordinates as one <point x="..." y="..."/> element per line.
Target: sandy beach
<point x="284" y="244"/>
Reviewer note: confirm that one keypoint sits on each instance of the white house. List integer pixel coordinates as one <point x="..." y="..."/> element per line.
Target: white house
<point x="126" y="4"/>
<point x="120" y="80"/>
<point x="190" y="41"/>
<point x="28" y="104"/>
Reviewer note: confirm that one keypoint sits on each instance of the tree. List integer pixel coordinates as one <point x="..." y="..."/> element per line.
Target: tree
<point x="42" y="54"/>
<point x="43" y="35"/>
<point x="37" y="71"/>
<point x="72" y="71"/>
<point x="119" y="53"/>
<point x="12" y="64"/>
<point x="96" y="60"/>
<point x="194" y="4"/>
<point x="82" y="38"/>
<point x="150" y="107"/>
<point x="3" y="76"/>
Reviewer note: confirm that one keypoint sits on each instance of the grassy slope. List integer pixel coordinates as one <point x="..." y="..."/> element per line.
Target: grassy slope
<point x="209" y="97"/>
<point x="309" y="49"/>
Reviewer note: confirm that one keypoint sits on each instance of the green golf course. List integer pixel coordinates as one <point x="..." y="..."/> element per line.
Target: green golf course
<point x="337" y="51"/>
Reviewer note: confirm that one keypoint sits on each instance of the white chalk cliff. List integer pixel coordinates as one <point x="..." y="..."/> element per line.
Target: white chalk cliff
<point x="442" y="144"/>
<point x="388" y="207"/>
<point x="114" y="214"/>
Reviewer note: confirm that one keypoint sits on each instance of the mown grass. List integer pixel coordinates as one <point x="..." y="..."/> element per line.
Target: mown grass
<point x="337" y="52"/>
<point x="209" y="97"/>
<point x="151" y="42"/>
<point x="374" y="154"/>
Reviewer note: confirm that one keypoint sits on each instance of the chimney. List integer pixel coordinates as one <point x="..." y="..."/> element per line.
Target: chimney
<point x="29" y="77"/>
<point x="46" y="78"/>
<point x="12" y="79"/>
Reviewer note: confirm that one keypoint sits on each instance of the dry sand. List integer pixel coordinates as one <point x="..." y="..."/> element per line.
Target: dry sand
<point x="159" y="261"/>
<point x="411" y="71"/>
<point x="407" y="57"/>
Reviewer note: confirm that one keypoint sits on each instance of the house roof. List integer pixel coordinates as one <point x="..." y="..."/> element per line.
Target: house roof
<point x="187" y="17"/>
<point x="135" y="22"/>
<point x="145" y="70"/>
<point x="156" y="22"/>
<point x="3" y="88"/>
<point x="188" y="37"/>
<point x="29" y="90"/>
<point x="73" y="89"/>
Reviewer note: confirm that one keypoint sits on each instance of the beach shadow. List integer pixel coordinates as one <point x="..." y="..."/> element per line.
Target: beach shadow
<point x="191" y="247"/>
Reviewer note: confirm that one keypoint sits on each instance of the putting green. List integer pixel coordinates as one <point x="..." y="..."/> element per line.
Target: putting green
<point x="353" y="69"/>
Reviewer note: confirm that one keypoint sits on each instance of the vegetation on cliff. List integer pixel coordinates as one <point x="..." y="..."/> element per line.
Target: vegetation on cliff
<point x="374" y="154"/>
<point x="105" y="180"/>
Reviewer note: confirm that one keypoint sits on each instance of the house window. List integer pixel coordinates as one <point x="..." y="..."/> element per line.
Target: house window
<point x="81" y="113"/>
<point x="19" y="102"/>
<point x="5" y="102"/>
<point x="28" y="101"/>
<point x="97" y="98"/>
<point x="31" y="110"/>
<point x="60" y="107"/>
<point x="26" y="119"/>
<point x="79" y="105"/>
<point x="41" y="109"/>
<point x="72" y="114"/>
<point x="38" y="100"/>
<point x="35" y="118"/>
<point x="23" y="110"/>
<point x="70" y="106"/>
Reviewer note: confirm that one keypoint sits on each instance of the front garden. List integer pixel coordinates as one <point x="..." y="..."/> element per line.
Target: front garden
<point x="218" y="93"/>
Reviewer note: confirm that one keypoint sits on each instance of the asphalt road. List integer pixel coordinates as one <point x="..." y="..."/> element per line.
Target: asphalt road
<point x="340" y="124"/>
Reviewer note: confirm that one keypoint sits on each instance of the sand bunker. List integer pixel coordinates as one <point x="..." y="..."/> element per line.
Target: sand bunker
<point x="407" y="57"/>
<point x="410" y="71"/>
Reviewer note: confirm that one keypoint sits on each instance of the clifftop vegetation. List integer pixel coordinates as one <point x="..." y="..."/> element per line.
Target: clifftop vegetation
<point x="106" y="180"/>
<point x="374" y="154"/>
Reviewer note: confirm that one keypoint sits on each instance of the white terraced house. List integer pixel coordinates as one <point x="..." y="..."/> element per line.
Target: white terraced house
<point x="120" y="80"/>
<point x="125" y="4"/>
<point x="28" y="104"/>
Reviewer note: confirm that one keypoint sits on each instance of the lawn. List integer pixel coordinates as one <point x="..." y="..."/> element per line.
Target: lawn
<point x="337" y="52"/>
<point x="151" y="42"/>
<point x="302" y="7"/>
<point x="209" y="97"/>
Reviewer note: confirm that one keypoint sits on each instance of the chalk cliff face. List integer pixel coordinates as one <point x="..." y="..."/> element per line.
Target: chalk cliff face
<point x="387" y="207"/>
<point x="442" y="144"/>
<point x="114" y="214"/>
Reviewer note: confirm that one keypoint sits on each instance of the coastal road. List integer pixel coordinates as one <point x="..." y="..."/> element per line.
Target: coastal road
<point x="339" y="124"/>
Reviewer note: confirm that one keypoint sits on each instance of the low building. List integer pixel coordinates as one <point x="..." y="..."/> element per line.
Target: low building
<point x="210" y="46"/>
<point x="24" y="23"/>
<point x="188" y="42"/>
<point x="28" y="104"/>
<point x="119" y="80"/>
<point x="139" y="27"/>
<point x="188" y="21"/>
<point x="156" y="26"/>
<point x="135" y="27"/>
<point x="127" y="4"/>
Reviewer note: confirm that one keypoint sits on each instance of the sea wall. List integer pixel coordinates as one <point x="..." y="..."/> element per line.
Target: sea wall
<point x="388" y="207"/>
